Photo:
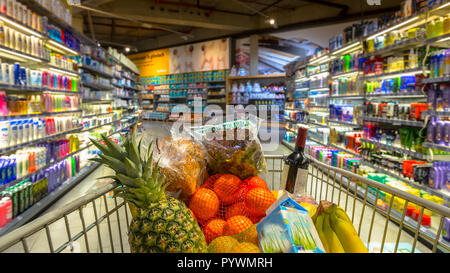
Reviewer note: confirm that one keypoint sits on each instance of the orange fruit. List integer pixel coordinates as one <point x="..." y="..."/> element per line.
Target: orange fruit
<point x="225" y="187"/>
<point x="258" y="200"/>
<point x="245" y="248"/>
<point x="255" y="181"/>
<point x="237" y="224"/>
<point x="235" y="210"/>
<point x="204" y="204"/>
<point x="222" y="244"/>
<point x="213" y="229"/>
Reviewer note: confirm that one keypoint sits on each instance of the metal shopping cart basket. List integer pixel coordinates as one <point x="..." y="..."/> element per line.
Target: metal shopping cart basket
<point x="98" y="222"/>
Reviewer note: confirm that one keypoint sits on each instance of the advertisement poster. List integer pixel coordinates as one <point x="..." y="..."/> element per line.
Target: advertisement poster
<point x="205" y="56"/>
<point x="152" y="63"/>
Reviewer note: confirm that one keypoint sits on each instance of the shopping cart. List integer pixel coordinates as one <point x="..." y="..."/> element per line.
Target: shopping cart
<point x="98" y="222"/>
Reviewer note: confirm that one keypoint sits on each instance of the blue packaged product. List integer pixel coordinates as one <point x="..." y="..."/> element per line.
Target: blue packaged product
<point x="16" y="74"/>
<point x="2" y="172"/>
<point x="23" y="76"/>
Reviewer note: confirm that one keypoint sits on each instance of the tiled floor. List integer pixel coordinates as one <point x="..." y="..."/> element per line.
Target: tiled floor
<point x="110" y="234"/>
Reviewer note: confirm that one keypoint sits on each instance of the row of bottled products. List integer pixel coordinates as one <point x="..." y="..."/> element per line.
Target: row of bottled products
<point x="22" y="14"/>
<point x="15" y="74"/>
<point x="18" y="198"/>
<point x="19" y="131"/>
<point x="33" y="104"/>
<point x="30" y="159"/>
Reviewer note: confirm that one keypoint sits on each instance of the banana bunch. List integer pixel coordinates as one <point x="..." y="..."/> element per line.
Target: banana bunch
<point x="336" y="231"/>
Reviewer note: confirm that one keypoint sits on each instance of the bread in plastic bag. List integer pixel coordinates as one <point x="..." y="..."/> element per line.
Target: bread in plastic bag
<point x="182" y="163"/>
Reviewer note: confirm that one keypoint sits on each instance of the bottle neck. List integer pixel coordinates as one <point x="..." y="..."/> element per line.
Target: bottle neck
<point x="299" y="149"/>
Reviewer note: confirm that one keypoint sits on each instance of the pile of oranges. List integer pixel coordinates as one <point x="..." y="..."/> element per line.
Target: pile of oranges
<point x="225" y="205"/>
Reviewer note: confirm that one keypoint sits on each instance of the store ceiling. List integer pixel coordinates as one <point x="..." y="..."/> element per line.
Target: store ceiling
<point x="146" y="25"/>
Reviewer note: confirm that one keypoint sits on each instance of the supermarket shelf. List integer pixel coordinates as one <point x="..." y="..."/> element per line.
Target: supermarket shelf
<point x="436" y="113"/>
<point x="347" y="48"/>
<point x="12" y="54"/>
<point x="97" y="115"/>
<point x="37" y="141"/>
<point x="47" y="201"/>
<point x="345" y="74"/>
<point x="128" y="87"/>
<point x="289" y="145"/>
<point x="396" y="149"/>
<point x="349" y="97"/>
<point x="38" y="115"/>
<point x="346" y="123"/>
<point x="96" y="72"/>
<point x="324" y="89"/>
<point x="317" y="141"/>
<point x="126" y="97"/>
<point x="395" y="121"/>
<point x="8" y="87"/>
<point x="158" y="84"/>
<point x="393" y="74"/>
<point x="397" y="96"/>
<point x="97" y="86"/>
<point x="128" y="78"/>
<point x="98" y="101"/>
<point x="98" y="126"/>
<point x="398" y="46"/>
<point x="437" y="40"/>
<point x="440" y="193"/>
<point x="437" y="80"/>
<point x="62" y="70"/>
<point x="344" y="149"/>
<point x="102" y="60"/>
<point x="249" y="77"/>
<point x="436" y="146"/>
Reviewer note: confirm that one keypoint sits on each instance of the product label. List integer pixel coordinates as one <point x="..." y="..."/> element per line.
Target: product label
<point x="301" y="181"/>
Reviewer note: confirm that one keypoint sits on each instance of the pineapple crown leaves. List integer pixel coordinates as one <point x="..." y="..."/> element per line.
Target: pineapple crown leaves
<point x="142" y="183"/>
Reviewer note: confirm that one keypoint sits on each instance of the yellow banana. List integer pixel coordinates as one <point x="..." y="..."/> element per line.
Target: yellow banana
<point x="334" y="244"/>
<point x="347" y="235"/>
<point x="342" y="214"/>
<point x="319" y="228"/>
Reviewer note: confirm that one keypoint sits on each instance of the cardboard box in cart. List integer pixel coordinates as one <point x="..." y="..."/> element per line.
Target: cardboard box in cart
<point x="288" y="228"/>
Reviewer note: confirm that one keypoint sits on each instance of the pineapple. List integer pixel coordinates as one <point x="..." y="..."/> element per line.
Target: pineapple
<point x="160" y="224"/>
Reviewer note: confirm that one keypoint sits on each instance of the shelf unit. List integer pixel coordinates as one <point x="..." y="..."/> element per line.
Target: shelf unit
<point x="36" y="62"/>
<point x="207" y="87"/>
<point x="359" y="96"/>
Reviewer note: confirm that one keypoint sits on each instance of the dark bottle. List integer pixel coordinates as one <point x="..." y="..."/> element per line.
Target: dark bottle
<point x="295" y="172"/>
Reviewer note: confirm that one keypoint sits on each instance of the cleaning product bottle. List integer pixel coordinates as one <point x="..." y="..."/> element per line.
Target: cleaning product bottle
<point x="439" y="136"/>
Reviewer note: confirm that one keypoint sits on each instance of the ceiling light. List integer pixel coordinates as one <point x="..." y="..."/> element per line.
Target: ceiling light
<point x="127" y="49"/>
<point x="272" y="21"/>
